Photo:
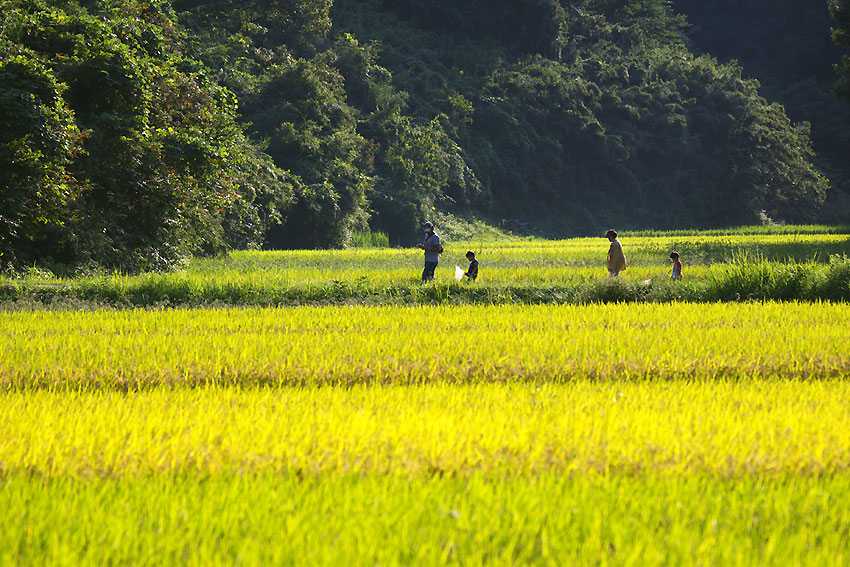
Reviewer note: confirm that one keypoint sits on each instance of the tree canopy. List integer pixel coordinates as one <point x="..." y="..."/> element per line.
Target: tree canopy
<point x="786" y="46"/>
<point x="840" y="10"/>
<point x="138" y="133"/>
<point x="117" y="149"/>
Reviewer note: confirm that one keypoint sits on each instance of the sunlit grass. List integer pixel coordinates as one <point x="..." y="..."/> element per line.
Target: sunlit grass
<point x="403" y="345"/>
<point x="723" y="428"/>
<point x="528" y="271"/>
<point x="686" y="521"/>
<point x="551" y="417"/>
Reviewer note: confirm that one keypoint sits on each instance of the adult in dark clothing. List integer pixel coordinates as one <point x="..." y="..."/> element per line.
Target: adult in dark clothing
<point x="432" y="247"/>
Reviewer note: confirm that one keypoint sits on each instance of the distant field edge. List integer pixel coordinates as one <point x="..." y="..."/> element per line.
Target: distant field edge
<point x="757" y="280"/>
<point x="778" y="229"/>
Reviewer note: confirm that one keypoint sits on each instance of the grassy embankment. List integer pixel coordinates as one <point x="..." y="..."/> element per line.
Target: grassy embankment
<point x="782" y="263"/>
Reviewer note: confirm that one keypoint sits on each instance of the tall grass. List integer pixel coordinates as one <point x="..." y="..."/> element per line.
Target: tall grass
<point x="369" y="239"/>
<point x="546" y="520"/>
<point x="409" y="345"/>
<point x="724" y="428"/>
<point x="744" y="278"/>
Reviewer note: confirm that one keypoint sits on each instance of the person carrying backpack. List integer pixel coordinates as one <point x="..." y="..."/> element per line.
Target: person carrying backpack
<point x="433" y="248"/>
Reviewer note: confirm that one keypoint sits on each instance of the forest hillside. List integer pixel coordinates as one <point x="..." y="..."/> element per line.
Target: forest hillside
<point x="136" y="133"/>
<point x="786" y="46"/>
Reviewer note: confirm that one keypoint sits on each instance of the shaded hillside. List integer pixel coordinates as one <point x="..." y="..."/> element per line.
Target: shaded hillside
<point x="786" y="45"/>
<point x="584" y="114"/>
<point x="133" y="134"/>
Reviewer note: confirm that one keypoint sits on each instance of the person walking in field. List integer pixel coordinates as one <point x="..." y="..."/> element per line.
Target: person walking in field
<point x="432" y="247"/>
<point x="616" y="257"/>
<point x="676" y="273"/>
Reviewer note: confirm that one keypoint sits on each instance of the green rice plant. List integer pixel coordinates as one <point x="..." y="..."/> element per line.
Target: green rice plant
<point x="753" y="277"/>
<point x="358" y="520"/>
<point x="369" y="239"/>
<point x="834" y="283"/>
<point x="723" y="428"/>
<point x="402" y="345"/>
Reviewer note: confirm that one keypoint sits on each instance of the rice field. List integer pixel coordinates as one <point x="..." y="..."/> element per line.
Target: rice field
<point x="685" y="521"/>
<point x="721" y="430"/>
<point x="393" y="345"/>
<point x="647" y="433"/>
<point x="811" y="264"/>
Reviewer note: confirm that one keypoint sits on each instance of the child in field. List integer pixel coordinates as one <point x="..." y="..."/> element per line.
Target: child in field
<point x="676" y="274"/>
<point x="472" y="272"/>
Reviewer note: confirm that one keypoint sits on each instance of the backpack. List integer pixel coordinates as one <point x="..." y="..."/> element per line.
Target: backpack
<point x="440" y="249"/>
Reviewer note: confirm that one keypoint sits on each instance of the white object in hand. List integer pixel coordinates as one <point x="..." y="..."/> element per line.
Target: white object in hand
<point x="458" y="273"/>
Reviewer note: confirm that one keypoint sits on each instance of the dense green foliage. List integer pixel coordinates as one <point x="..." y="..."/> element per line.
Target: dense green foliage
<point x="39" y="139"/>
<point x="786" y="45"/>
<point x="588" y="114"/>
<point x="840" y="10"/>
<point x="137" y="133"/>
<point x="326" y="112"/>
<point x="115" y="147"/>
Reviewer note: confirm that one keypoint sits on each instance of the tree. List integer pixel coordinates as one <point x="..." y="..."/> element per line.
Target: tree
<point x="786" y="45"/>
<point x="118" y="150"/>
<point x="840" y="10"/>
<point x="134" y="135"/>
<point x="38" y="140"/>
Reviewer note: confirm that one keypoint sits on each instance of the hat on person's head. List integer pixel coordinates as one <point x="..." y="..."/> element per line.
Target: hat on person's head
<point x="427" y="224"/>
<point x="611" y="232"/>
